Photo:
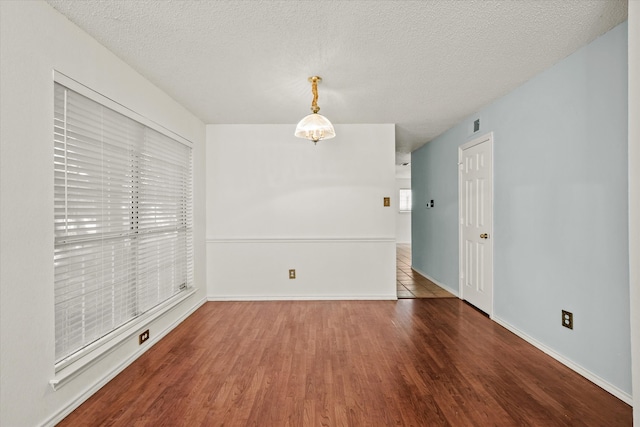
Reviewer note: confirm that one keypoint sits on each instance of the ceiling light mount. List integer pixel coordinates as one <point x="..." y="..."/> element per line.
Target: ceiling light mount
<point x="315" y="126"/>
<point x="314" y="80"/>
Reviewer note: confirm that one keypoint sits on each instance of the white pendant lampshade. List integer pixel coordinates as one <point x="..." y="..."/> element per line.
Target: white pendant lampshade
<point x="315" y="126"/>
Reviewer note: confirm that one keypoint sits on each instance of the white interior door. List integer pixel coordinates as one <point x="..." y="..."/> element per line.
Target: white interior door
<point x="476" y="222"/>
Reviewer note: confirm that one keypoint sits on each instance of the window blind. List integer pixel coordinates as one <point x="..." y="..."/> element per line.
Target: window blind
<point x="122" y="220"/>
<point x="405" y="199"/>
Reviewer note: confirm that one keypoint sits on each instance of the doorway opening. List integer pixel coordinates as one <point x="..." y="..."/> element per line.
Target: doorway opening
<point x="411" y="284"/>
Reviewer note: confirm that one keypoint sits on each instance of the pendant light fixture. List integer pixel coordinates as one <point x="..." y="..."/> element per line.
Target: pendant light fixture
<point x="315" y="126"/>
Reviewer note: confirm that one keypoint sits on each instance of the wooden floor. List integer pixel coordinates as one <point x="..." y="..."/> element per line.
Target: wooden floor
<point x="410" y="283"/>
<point x="413" y="362"/>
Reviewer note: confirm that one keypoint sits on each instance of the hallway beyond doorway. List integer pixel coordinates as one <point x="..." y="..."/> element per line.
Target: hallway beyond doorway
<point x="411" y="284"/>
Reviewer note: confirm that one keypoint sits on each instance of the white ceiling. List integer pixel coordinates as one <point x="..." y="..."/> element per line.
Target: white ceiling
<point x="423" y="65"/>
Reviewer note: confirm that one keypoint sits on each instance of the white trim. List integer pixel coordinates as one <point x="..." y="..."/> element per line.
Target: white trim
<point x="108" y="376"/>
<point x="442" y="285"/>
<point x="634" y="197"/>
<point x="74" y="364"/>
<point x="390" y="297"/>
<point x="488" y="137"/>
<point x="301" y="240"/>
<point x="71" y="367"/>
<point x="83" y="90"/>
<point x="473" y="142"/>
<point x="605" y="385"/>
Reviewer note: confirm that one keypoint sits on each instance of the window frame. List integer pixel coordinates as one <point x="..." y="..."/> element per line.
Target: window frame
<point x="78" y="361"/>
<point x="400" y="200"/>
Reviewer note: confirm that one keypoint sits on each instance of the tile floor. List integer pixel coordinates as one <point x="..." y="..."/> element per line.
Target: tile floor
<point x="411" y="284"/>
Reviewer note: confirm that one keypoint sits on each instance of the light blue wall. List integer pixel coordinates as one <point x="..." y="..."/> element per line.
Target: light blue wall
<point x="560" y="207"/>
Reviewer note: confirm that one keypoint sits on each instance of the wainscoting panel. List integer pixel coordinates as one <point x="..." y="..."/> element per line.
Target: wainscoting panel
<point x="325" y="268"/>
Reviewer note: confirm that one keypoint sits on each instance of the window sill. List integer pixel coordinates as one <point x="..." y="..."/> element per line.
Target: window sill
<point x="78" y="363"/>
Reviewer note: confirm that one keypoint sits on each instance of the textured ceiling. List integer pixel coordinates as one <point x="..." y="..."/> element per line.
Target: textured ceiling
<point x="423" y="65"/>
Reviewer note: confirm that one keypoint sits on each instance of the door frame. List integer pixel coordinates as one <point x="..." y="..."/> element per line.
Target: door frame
<point x="487" y="138"/>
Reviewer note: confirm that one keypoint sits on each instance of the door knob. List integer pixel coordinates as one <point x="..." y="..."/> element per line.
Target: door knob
<point x="484" y="236"/>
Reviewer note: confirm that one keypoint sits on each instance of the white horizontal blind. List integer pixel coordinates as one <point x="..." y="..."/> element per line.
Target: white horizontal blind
<point x="123" y="220"/>
<point x="405" y="199"/>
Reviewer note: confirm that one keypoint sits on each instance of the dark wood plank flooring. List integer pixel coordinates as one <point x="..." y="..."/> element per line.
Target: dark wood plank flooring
<point x="422" y="362"/>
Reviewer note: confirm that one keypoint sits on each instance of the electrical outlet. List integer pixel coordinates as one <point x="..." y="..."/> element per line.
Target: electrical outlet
<point x="292" y="274"/>
<point x="386" y="202"/>
<point x="567" y="319"/>
<point x="143" y="337"/>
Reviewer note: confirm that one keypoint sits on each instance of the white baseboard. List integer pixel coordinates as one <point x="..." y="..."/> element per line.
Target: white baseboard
<point x="605" y="385"/>
<point x="303" y="298"/>
<point x="443" y="286"/>
<point x="108" y="376"/>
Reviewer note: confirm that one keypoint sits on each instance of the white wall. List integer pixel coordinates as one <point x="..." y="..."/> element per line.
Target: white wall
<point x="276" y="202"/>
<point x="34" y="40"/>
<point x="403" y="219"/>
<point x="634" y="197"/>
